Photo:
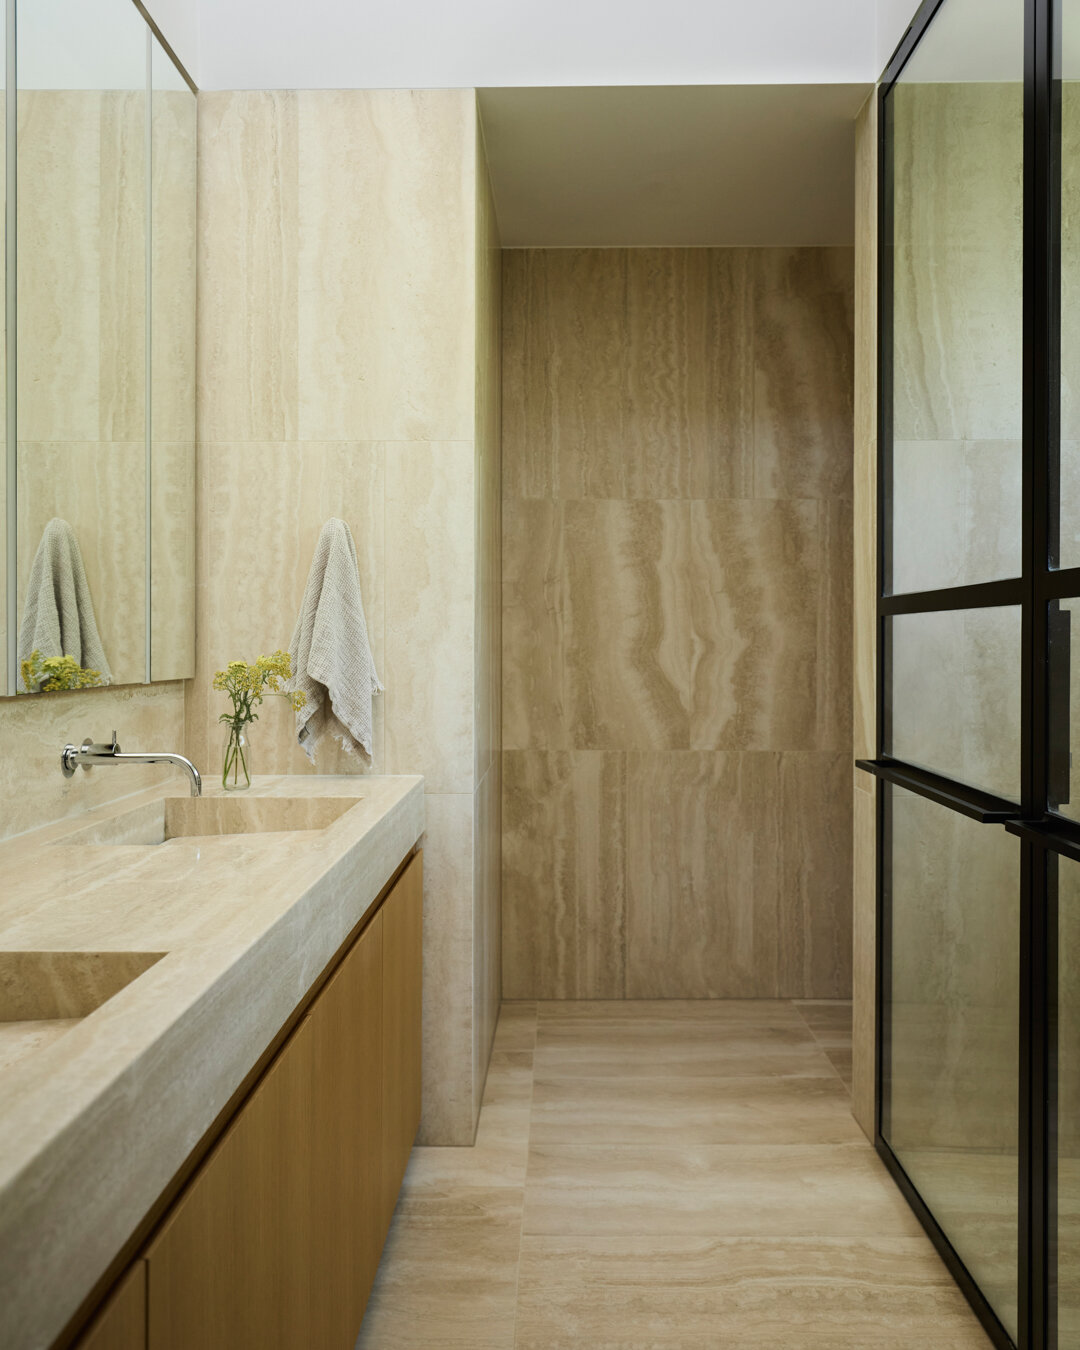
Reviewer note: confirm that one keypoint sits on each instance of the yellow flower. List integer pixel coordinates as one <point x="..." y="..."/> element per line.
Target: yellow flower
<point x="247" y="683"/>
<point x="45" y="675"/>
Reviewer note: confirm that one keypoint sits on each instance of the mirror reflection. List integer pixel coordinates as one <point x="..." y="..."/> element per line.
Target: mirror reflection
<point x="105" y="358"/>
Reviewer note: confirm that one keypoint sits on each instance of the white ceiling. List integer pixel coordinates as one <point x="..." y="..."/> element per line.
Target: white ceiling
<point x="763" y="165"/>
<point x="320" y="44"/>
<point x="353" y="44"/>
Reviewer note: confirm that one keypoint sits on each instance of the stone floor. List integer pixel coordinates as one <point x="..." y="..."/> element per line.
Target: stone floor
<point x="663" y="1176"/>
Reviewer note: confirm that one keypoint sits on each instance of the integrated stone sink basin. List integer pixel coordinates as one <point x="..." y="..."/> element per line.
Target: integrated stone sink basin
<point x="45" y="994"/>
<point x="197" y="817"/>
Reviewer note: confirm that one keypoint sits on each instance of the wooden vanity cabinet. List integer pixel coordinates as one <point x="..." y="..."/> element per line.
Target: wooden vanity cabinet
<point x="275" y="1243"/>
<point x="121" y="1323"/>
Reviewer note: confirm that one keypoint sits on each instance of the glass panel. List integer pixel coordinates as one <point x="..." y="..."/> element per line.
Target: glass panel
<point x="82" y="334"/>
<point x="956" y="123"/>
<point x="1069" y="487"/>
<point x="172" y="374"/>
<point x="1063" y="787"/>
<point x="955" y="694"/>
<point x="1068" y="1105"/>
<point x="951" y="1104"/>
<point x="7" y="508"/>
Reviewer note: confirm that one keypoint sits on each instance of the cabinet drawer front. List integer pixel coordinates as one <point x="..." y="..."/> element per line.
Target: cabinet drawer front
<point x="230" y="1267"/>
<point x="121" y="1324"/>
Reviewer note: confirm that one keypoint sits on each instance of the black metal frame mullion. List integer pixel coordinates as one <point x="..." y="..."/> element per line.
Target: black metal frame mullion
<point x="1032" y="591"/>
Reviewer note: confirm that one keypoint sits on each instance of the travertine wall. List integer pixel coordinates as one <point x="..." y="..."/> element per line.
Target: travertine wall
<point x="33" y="731"/>
<point x="348" y="337"/>
<point x="677" y="623"/>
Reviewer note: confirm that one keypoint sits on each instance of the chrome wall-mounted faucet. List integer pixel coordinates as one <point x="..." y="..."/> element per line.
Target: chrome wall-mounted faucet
<point x="91" y="754"/>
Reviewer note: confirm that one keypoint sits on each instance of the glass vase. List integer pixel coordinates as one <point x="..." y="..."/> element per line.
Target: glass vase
<point x="236" y="758"/>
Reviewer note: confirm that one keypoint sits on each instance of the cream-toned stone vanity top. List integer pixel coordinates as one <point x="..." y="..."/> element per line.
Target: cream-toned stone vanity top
<point x="150" y="951"/>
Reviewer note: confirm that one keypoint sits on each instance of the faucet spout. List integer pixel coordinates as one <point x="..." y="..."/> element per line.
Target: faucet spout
<point x="92" y="754"/>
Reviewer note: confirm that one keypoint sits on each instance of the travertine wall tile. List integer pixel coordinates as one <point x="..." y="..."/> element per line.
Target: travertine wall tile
<point x="172" y="559"/>
<point x="349" y="345"/>
<point x="488" y="658"/>
<point x="564" y="842"/>
<point x="723" y="354"/>
<point x="677" y="577"/>
<point x="59" y="320"/>
<point x="430" y="594"/>
<point x="248" y="260"/>
<point x="386" y="301"/>
<point x="33" y="731"/>
<point x="737" y="875"/>
<point x="264" y="506"/>
<point x="563" y="412"/>
<point x="803" y="361"/>
<point x="771" y="621"/>
<point x="174" y="245"/>
<point x="487" y="922"/>
<point x="121" y="345"/>
<point x="449" y="1115"/>
<point x="662" y="404"/>
<point x="596" y="636"/>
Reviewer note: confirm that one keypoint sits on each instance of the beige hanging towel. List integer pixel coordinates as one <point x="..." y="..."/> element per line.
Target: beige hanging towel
<point x="331" y="654"/>
<point x="58" y="614"/>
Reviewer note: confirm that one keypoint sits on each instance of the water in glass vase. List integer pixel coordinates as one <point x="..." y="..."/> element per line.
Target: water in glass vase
<point x="236" y="761"/>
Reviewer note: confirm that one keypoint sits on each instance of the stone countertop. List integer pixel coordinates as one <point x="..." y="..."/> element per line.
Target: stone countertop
<point x="95" y="1124"/>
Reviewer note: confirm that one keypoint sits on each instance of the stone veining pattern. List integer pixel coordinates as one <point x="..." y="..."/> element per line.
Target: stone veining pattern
<point x="669" y="1175"/>
<point x="677" y="536"/>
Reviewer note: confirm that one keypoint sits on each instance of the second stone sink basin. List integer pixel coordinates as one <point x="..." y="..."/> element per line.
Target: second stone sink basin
<point x="45" y="994"/>
<point x="195" y="817"/>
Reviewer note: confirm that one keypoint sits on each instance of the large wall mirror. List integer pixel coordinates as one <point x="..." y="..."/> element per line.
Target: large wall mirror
<point x="100" y="483"/>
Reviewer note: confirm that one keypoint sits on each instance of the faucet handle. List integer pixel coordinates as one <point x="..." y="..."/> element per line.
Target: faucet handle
<point x="102" y="748"/>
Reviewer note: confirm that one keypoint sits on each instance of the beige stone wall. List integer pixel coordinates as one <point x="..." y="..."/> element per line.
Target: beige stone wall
<point x="173" y="384"/>
<point x="345" y="329"/>
<point x="33" y="731"/>
<point x="677" y="623"/>
<point x="487" y="802"/>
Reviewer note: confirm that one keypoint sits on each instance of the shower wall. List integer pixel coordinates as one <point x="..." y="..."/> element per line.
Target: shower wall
<point x="677" y="540"/>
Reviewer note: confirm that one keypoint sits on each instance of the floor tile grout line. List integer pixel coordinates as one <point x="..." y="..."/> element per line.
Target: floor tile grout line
<point x="820" y="1044"/>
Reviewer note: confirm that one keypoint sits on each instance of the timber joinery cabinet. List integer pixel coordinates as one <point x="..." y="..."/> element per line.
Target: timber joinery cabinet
<point x="275" y="1241"/>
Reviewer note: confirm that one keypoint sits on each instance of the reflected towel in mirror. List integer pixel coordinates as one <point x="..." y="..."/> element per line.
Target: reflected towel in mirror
<point x="331" y="654"/>
<point x="58" y="613"/>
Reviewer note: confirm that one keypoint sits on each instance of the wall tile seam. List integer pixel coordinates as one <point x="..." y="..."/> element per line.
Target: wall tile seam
<point x="839" y="498"/>
<point x="226" y="441"/>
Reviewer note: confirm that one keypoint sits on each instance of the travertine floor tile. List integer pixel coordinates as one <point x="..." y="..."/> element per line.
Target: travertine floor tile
<point x="662" y="1176"/>
<point x="829" y="1021"/>
<point x="743" y="1190"/>
<point x="656" y="1042"/>
<point x="445" y="1281"/>
<point x="682" y="1012"/>
<point x="626" y="1293"/>
<point x="516" y="1029"/>
<point x="691" y="1110"/>
<point x="497" y="1160"/>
